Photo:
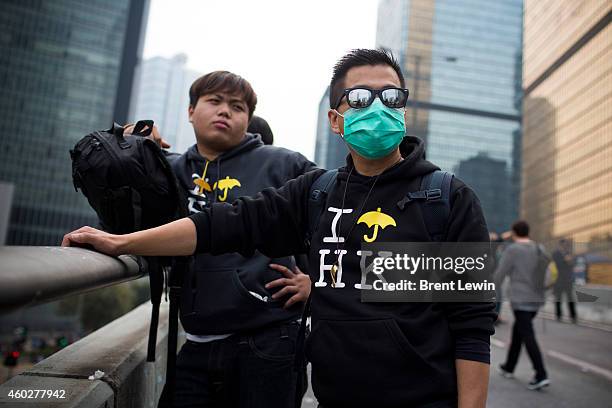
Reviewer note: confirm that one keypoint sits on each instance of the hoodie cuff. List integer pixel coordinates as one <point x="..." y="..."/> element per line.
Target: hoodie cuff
<point x="203" y="231"/>
<point x="473" y="347"/>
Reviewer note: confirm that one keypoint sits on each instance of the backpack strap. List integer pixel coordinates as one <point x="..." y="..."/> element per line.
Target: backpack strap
<point x="317" y="198"/>
<point x="435" y="198"/>
<point x="437" y="206"/>
<point x="175" y="280"/>
<point x="117" y="131"/>
<point x="156" y="284"/>
<point x="157" y="265"/>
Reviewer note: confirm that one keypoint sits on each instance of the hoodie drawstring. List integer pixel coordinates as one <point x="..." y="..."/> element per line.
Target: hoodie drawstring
<point x="218" y="176"/>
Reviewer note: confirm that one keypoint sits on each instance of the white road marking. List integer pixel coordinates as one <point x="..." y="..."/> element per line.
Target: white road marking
<point x="581" y="364"/>
<point x="497" y="343"/>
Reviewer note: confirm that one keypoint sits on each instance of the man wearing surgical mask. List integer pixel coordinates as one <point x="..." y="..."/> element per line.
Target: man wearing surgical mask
<point x="363" y="354"/>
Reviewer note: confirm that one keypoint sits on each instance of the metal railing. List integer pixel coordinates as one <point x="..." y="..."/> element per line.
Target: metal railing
<point x="33" y="275"/>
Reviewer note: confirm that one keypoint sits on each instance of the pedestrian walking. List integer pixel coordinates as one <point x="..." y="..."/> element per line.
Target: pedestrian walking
<point x="564" y="286"/>
<point x="520" y="262"/>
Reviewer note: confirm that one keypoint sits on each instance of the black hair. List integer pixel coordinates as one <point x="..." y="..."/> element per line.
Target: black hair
<point x="521" y="229"/>
<point x="357" y="58"/>
<point x="260" y="126"/>
<point x="223" y="81"/>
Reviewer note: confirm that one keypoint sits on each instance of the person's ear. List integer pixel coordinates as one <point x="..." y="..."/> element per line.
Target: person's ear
<point x="190" y="113"/>
<point x="336" y="122"/>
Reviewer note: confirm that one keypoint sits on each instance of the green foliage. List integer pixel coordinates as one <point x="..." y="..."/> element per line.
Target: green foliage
<point x="99" y="307"/>
<point x="105" y="305"/>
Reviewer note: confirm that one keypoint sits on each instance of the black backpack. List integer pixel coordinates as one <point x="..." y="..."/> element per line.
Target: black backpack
<point x="126" y="179"/>
<point x="131" y="186"/>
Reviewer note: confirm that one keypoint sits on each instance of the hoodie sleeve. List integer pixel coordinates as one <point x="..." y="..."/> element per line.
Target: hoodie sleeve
<point x="471" y="324"/>
<point x="303" y="165"/>
<point x="274" y="221"/>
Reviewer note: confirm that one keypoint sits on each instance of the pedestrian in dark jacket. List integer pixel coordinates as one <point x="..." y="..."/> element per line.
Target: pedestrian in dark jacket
<point x="362" y="354"/>
<point x="564" y="286"/>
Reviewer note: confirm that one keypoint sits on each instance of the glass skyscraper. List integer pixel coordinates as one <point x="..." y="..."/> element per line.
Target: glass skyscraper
<point x="66" y="69"/>
<point x="462" y="62"/>
<point x="162" y="94"/>
<point x="330" y="150"/>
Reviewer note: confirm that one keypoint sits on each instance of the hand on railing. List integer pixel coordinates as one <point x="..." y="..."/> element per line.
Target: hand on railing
<point x="177" y="238"/>
<point x="88" y="237"/>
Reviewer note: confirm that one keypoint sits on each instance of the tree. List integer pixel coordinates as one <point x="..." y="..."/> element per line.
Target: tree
<point x="105" y="305"/>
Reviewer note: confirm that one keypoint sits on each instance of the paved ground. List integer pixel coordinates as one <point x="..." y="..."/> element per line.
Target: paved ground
<point x="578" y="360"/>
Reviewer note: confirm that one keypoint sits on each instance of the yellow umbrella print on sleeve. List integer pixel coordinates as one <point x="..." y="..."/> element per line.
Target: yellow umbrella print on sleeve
<point x="376" y="219"/>
<point x="226" y="184"/>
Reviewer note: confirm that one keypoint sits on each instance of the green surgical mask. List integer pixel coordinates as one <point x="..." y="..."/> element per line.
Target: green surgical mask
<point x="374" y="132"/>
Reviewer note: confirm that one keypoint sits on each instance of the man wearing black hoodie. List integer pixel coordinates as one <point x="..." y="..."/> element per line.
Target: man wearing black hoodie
<point x="241" y="335"/>
<point x="362" y="354"/>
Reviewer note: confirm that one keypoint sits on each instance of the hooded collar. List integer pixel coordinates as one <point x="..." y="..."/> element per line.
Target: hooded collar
<point x="249" y="142"/>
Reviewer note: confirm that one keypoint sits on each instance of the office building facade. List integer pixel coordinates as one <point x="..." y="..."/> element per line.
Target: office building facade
<point x="462" y="63"/>
<point x="330" y="149"/>
<point x="162" y="94"/>
<point x="567" y="122"/>
<point x="66" y="69"/>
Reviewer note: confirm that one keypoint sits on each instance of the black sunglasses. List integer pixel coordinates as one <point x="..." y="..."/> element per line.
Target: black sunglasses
<point x="362" y="97"/>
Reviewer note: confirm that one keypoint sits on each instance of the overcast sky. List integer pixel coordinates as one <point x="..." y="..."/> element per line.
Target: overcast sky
<point x="285" y="49"/>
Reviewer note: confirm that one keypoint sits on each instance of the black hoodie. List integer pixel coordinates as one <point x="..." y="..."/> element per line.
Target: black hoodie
<point x="365" y="354"/>
<point x="226" y="293"/>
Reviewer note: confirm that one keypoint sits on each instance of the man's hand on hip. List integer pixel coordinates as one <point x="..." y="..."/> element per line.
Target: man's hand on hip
<point x="294" y="282"/>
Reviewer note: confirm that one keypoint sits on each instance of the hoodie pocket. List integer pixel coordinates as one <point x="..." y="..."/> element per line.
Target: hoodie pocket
<point x="215" y="301"/>
<point x="366" y="361"/>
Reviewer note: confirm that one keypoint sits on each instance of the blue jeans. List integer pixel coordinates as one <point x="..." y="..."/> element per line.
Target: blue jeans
<point x="246" y="370"/>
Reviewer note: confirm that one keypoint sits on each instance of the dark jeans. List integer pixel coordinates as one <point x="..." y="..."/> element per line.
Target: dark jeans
<point x="522" y="332"/>
<point x="569" y="292"/>
<point x="247" y="370"/>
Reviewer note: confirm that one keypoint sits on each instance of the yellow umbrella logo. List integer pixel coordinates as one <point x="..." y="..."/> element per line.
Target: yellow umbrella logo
<point x="202" y="185"/>
<point x="201" y="181"/>
<point x="225" y="185"/>
<point x="375" y="219"/>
